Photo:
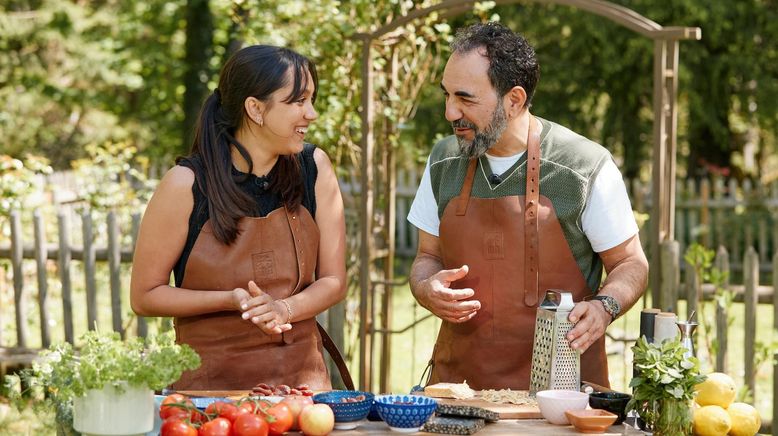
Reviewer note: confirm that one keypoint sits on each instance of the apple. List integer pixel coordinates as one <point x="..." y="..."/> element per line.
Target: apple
<point x="296" y="405"/>
<point x="317" y="420"/>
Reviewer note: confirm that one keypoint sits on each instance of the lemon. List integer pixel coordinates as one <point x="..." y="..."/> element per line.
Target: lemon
<point x="717" y="390"/>
<point x="711" y="421"/>
<point x="745" y="419"/>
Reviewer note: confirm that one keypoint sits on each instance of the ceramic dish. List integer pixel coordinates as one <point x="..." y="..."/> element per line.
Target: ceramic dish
<point x="348" y="413"/>
<point x="405" y="413"/>
<point x="203" y="402"/>
<point x="613" y="402"/>
<point x="591" y="420"/>
<point x="554" y="403"/>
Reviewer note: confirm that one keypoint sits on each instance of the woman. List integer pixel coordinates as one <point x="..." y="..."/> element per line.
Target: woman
<point x="251" y="224"/>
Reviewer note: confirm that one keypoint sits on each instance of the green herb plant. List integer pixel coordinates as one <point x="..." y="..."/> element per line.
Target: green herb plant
<point x="105" y="359"/>
<point x="663" y="386"/>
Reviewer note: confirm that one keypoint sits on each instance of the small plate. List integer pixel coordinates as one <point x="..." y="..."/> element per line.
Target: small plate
<point x="272" y="399"/>
<point x="203" y="402"/>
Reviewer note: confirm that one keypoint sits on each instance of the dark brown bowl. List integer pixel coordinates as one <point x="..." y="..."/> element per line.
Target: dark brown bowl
<point x="614" y="402"/>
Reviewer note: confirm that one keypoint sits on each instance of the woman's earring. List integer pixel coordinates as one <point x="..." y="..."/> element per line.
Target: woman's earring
<point x="260" y="122"/>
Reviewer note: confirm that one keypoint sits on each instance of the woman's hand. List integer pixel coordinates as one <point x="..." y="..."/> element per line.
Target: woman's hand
<point x="271" y="316"/>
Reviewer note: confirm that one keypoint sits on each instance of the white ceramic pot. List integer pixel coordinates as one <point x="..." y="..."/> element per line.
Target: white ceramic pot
<point x="107" y="411"/>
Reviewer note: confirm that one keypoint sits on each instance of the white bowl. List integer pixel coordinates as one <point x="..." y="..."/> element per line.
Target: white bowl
<point x="554" y="403"/>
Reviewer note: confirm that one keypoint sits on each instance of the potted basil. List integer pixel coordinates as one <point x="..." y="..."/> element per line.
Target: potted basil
<point x="663" y="387"/>
<point x="110" y="382"/>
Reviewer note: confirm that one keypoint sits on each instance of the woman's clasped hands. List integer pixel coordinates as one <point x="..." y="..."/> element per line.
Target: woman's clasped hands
<point x="271" y="316"/>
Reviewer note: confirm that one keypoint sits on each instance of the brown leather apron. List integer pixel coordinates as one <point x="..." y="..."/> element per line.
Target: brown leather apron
<point x="493" y="350"/>
<point x="279" y="252"/>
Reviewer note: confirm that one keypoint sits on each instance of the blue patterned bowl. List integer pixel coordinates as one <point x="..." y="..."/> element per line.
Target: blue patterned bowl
<point x="405" y="413"/>
<point x="347" y="414"/>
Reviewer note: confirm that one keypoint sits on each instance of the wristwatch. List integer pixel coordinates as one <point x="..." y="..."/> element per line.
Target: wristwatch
<point x="610" y="304"/>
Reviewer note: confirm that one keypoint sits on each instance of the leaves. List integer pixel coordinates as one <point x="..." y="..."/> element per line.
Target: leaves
<point x="663" y="386"/>
<point x="105" y="358"/>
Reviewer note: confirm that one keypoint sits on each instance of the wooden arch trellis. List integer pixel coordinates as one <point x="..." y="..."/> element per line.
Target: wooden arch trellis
<point x="666" y="53"/>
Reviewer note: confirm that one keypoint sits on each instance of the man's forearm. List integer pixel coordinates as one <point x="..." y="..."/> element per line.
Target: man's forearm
<point x="626" y="283"/>
<point x="424" y="266"/>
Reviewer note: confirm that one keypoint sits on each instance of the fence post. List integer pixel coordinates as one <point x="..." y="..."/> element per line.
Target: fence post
<point x="41" y="253"/>
<point x="705" y="218"/>
<point x="114" y="268"/>
<point x="20" y="300"/>
<point x="89" y="270"/>
<point x="693" y="290"/>
<point x="722" y="326"/>
<point x="669" y="279"/>
<point x="65" y="256"/>
<point x="751" y="277"/>
<point x="775" y="394"/>
<point x="143" y="328"/>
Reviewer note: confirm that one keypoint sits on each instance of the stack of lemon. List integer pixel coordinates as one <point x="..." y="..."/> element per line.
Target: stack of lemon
<point x="718" y="414"/>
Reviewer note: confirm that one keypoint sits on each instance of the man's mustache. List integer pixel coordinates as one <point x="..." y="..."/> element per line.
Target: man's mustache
<point x="463" y="124"/>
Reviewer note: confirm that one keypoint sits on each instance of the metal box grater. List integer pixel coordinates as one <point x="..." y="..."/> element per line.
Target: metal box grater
<point x="554" y="364"/>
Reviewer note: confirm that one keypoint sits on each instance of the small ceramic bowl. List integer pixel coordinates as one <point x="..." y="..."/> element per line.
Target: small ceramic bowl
<point x="405" y="413"/>
<point x="614" y="402"/>
<point x="591" y="420"/>
<point x="349" y="407"/>
<point x="554" y="403"/>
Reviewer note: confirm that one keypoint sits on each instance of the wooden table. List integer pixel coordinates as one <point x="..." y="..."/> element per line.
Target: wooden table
<point x="511" y="427"/>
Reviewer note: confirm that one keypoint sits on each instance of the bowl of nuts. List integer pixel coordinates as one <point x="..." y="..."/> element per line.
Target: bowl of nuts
<point x="350" y="407"/>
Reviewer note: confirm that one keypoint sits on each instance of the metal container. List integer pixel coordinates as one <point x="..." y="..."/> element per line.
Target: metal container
<point x="555" y="365"/>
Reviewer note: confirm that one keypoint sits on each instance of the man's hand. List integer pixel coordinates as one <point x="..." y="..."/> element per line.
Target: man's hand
<point x="591" y="320"/>
<point x="436" y="295"/>
<point x="268" y="314"/>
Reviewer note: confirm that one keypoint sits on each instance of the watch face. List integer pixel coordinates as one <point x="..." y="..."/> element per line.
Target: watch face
<point x="611" y="305"/>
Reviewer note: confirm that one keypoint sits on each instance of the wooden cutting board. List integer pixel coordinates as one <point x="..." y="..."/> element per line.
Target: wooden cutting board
<point x="506" y="411"/>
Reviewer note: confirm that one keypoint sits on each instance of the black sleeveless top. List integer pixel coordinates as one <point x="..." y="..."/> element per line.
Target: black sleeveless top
<point x="256" y="187"/>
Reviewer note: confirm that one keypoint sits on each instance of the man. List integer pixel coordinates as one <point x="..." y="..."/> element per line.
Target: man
<point x="492" y="239"/>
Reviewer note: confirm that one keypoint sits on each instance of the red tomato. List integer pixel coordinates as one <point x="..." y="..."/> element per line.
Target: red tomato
<point x="175" y="426"/>
<point x="250" y="425"/>
<point x="175" y="405"/>
<point x="216" y="427"/>
<point x="283" y="419"/>
<point x="223" y="409"/>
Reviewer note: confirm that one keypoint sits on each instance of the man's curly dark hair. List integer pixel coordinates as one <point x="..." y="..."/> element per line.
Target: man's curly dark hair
<point x="512" y="60"/>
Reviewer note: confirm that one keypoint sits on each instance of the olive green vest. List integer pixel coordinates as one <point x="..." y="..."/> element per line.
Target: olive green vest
<point x="569" y="165"/>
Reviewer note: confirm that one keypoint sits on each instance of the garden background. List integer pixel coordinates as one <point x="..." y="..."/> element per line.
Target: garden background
<point x="98" y="97"/>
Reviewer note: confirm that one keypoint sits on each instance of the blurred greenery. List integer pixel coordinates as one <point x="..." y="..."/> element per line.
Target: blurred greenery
<point x="134" y="72"/>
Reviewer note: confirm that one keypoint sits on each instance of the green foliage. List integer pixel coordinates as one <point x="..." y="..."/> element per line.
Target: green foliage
<point x="64" y="372"/>
<point x="663" y="386"/>
<point x="73" y="73"/>
<point x="113" y="176"/>
<point x="17" y="182"/>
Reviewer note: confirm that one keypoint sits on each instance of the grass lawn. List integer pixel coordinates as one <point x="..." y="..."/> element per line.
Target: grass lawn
<point x="411" y="350"/>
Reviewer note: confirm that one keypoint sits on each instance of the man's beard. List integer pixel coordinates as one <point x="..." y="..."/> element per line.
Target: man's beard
<point x="483" y="140"/>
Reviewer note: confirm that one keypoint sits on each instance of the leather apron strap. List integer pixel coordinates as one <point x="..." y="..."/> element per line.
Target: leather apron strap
<point x="464" y="194"/>
<point x="331" y="348"/>
<point x="532" y="197"/>
<point x="327" y="341"/>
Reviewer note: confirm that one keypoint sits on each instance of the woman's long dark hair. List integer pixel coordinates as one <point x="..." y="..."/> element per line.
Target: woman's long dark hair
<point x="256" y="71"/>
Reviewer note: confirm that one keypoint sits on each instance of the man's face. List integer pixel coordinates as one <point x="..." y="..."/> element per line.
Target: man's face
<point x="472" y="106"/>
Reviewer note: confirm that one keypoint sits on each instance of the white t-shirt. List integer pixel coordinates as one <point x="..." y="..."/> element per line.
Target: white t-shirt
<point x="607" y="219"/>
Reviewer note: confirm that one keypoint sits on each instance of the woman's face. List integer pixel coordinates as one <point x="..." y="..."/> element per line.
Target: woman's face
<point x="285" y="123"/>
